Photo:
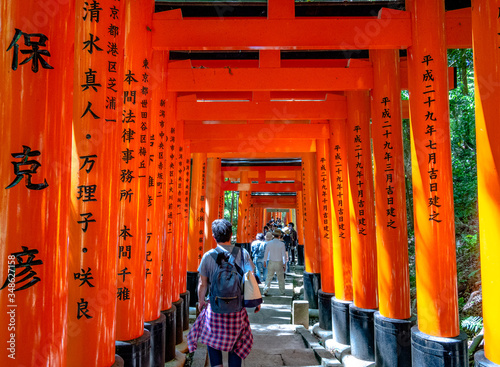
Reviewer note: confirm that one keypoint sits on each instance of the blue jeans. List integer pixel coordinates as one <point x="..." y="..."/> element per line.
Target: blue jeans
<point x="215" y="357"/>
<point x="260" y="270"/>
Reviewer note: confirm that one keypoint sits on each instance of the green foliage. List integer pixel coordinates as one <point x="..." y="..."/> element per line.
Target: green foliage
<point x="472" y="323"/>
<point x="463" y="143"/>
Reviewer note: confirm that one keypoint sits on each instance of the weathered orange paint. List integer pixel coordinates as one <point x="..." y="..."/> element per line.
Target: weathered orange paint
<point x="243" y="205"/>
<point x="390" y="196"/>
<point x="310" y="214"/>
<point x="325" y="215"/>
<point x="213" y="183"/>
<point x="342" y="264"/>
<point x="195" y="248"/>
<point x="486" y="27"/>
<point x="36" y="110"/>
<point x="436" y="272"/>
<point x="363" y="246"/>
<point x="185" y="213"/>
<point x="181" y="245"/>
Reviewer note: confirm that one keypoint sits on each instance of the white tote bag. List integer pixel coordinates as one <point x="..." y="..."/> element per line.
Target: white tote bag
<point x="251" y="291"/>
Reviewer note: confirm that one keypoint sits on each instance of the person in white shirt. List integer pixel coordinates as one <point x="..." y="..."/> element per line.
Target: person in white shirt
<point x="276" y="254"/>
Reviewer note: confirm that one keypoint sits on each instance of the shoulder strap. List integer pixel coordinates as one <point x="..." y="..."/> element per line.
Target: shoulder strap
<point x="216" y="251"/>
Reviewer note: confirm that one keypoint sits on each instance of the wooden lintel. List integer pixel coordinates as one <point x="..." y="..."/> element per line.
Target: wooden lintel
<point x="392" y="30"/>
<point x="274" y="187"/>
<point x="255" y="134"/>
<point x="284" y="79"/>
<point x="253" y="147"/>
<point x="265" y="110"/>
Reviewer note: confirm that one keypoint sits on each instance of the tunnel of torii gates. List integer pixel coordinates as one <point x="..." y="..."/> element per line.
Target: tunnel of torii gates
<point x="115" y="157"/>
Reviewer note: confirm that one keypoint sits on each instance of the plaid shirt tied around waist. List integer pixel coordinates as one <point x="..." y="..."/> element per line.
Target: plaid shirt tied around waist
<point x="222" y="331"/>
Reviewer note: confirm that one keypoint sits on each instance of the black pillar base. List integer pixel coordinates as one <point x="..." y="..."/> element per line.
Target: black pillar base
<point x="170" y="333"/>
<point x="392" y="342"/>
<point x="341" y="327"/>
<point x="300" y="255"/>
<point x="158" y="334"/>
<point x="185" y="316"/>
<point x="480" y="360"/>
<point x="432" y="351"/>
<point x="325" y="310"/>
<point x="312" y="284"/>
<point x="118" y="361"/>
<point x="362" y="333"/>
<point x="135" y="353"/>
<point x="192" y="287"/>
<point x="179" y="326"/>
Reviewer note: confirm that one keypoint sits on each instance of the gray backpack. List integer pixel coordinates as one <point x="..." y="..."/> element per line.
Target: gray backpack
<point x="226" y="283"/>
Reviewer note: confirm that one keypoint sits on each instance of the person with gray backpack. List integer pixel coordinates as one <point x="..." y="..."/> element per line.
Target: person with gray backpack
<point x="223" y="323"/>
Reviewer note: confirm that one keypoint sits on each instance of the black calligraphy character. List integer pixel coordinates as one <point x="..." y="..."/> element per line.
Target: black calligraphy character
<point x="145" y="65"/>
<point x="88" y="109"/>
<point x="112" y="84"/>
<point x="124" y="273"/>
<point x="129" y="77"/>
<point x="87" y="192"/>
<point x="88" y="161"/>
<point x="428" y="76"/>
<point x="433" y="201"/>
<point x="123" y="294"/>
<point x="31" y="169"/>
<point x="94" y="11"/>
<point x="83" y="309"/>
<point x="111" y="103"/>
<point x="427" y="59"/>
<point x="90" y="80"/>
<point x="128" y="135"/>
<point x="112" y="48"/>
<point x="91" y="44"/>
<point x="430" y="130"/>
<point x="127" y="155"/>
<point x="386" y="113"/>
<point x="145" y="77"/>
<point x="35" y="52"/>
<point x="28" y="270"/>
<point x="86" y="221"/>
<point x="114" y="12"/>
<point x="433" y="216"/>
<point x="126" y="194"/>
<point x="113" y="30"/>
<point x="84" y="277"/>
<point x="385" y="100"/>
<point x="126" y="175"/>
<point x="125" y="233"/>
<point x="430" y="116"/>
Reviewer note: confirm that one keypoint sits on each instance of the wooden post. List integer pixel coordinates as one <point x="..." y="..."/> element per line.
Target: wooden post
<point x="35" y="168"/>
<point x="486" y="43"/>
<point x="364" y="251"/>
<point x="340" y="220"/>
<point x="325" y="215"/>
<point x="390" y="197"/>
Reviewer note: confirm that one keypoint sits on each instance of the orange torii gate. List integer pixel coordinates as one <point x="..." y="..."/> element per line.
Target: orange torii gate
<point x="68" y="166"/>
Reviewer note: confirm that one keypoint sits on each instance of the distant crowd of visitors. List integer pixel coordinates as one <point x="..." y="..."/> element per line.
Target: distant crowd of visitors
<point x="273" y="251"/>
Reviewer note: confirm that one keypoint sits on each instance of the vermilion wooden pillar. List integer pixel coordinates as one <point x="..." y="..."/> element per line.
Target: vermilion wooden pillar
<point x="214" y="182"/>
<point x="312" y="277"/>
<point x="165" y="114"/>
<point x="325" y="215"/>
<point x="362" y="211"/>
<point x="35" y="134"/>
<point x="432" y="178"/>
<point x="340" y="220"/>
<point x="196" y="220"/>
<point x="485" y="25"/>
<point x="185" y="220"/>
<point x="364" y="251"/>
<point x="326" y="232"/>
<point x="241" y="236"/>
<point x="133" y="174"/>
<point x="436" y="271"/>
<point x="195" y="250"/>
<point x="390" y="199"/>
